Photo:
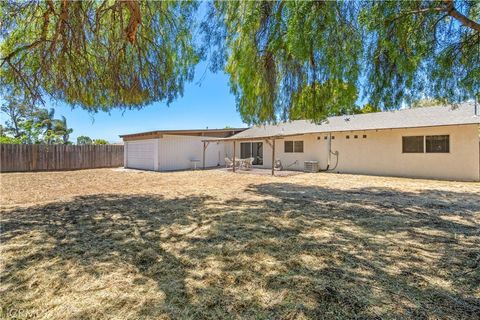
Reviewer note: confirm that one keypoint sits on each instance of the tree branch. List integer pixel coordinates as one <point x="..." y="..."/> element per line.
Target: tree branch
<point x="20" y="49"/>
<point x="449" y="10"/>
<point x="460" y="17"/>
<point x="135" y="19"/>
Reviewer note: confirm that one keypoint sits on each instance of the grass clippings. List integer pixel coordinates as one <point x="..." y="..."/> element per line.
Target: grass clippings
<point x="216" y="245"/>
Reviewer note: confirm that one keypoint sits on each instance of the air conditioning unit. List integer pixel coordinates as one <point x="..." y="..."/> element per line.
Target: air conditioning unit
<point x="310" y="166"/>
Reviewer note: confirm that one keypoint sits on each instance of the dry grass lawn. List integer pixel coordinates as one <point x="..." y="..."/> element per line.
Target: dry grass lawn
<point x="216" y="245"/>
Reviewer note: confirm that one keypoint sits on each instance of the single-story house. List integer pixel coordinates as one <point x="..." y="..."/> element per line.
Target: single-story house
<point x="431" y="142"/>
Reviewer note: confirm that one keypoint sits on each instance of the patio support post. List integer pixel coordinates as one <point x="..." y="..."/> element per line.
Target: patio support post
<point x="233" y="168"/>
<point x="204" y="147"/>
<point x="273" y="157"/>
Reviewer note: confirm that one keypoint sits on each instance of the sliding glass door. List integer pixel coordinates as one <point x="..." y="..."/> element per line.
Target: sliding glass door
<point x="252" y="150"/>
<point x="257" y="152"/>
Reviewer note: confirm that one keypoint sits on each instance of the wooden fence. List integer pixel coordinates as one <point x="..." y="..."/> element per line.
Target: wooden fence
<point x="28" y="157"/>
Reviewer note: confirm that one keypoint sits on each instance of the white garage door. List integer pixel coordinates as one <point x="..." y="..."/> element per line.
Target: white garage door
<point x="140" y="154"/>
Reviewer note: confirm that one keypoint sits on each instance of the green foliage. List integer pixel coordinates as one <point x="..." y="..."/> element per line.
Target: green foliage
<point x="16" y="109"/>
<point x="417" y="49"/>
<point x="62" y="129"/>
<point x="283" y="56"/>
<point x="87" y="140"/>
<point x="285" y="59"/>
<point x="33" y="133"/>
<point x="304" y="59"/>
<point x="31" y="125"/>
<point x="9" y="140"/>
<point x="369" y="108"/>
<point x="336" y="98"/>
<point x="84" y="140"/>
<point x="100" y="141"/>
<point x="427" y="103"/>
<point x="98" y="55"/>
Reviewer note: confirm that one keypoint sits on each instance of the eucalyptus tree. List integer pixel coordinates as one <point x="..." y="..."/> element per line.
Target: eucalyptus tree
<point x="310" y="59"/>
<point x="98" y="54"/>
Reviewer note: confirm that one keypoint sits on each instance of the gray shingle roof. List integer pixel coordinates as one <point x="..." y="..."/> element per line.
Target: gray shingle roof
<point x="405" y="118"/>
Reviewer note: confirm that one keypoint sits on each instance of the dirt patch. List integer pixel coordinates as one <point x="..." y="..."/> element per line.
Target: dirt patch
<point x="212" y="244"/>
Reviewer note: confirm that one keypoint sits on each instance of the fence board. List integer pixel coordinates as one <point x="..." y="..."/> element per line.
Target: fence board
<point x="22" y="157"/>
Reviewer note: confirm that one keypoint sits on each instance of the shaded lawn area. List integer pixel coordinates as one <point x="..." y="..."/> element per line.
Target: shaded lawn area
<point x="227" y="247"/>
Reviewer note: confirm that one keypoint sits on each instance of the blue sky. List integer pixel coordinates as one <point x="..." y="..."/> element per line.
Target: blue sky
<point x="205" y="103"/>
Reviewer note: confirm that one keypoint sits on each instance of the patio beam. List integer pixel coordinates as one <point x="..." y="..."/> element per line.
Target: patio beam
<point x="273" y="156"/>
<point x="251" y="139"/>
<point x="268" y="141"/>
<point x="234" y="161"/>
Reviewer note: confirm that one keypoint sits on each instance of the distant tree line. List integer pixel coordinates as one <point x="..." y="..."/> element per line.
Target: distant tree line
<point x="87" y="140"/>
<point x="30" y="124"/>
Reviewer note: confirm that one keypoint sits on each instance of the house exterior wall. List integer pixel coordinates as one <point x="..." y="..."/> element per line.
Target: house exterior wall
<point x="172" y="152"/>
<point x="176" y="152"/>
<point x="380" y="153"/>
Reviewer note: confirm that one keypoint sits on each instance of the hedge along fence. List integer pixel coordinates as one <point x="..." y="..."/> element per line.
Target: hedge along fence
<point x="36" y="157"/>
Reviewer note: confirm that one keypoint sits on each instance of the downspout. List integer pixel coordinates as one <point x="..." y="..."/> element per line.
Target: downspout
<point x="329" y="159"/>
<point x="475" y="114"/>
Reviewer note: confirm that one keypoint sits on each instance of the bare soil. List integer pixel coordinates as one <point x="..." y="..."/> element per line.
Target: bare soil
<point x="216" y="245"/>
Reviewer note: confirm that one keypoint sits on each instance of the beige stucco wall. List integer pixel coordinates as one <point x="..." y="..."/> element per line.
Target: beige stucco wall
<point x="381" y="153"/>
<point x="175" y="152"/>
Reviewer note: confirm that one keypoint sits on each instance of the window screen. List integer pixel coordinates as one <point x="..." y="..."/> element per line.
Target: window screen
<point x="288" y="146"/>
<point x="437" y="144"/>
<point x="298" y="146"/>
<point x="293" y="146"/>
<point x="412" y="144"/>
<point x="245" y="150"/>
